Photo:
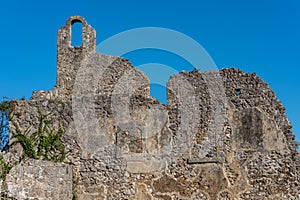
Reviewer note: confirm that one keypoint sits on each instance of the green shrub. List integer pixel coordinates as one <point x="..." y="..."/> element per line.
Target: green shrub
<point x="44" y="143"/>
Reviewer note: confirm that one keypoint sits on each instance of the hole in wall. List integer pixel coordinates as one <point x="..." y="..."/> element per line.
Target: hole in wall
<point x="237" y="91"/>
<point x="77" y="33"/>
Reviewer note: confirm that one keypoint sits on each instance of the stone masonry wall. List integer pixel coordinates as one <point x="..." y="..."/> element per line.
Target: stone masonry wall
<point x="40" y="179"/>
<point x="223" y="134"/>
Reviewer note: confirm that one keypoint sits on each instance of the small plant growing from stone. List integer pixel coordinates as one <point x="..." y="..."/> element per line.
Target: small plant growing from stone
<point x="4" y="167"/>
<point x="44" y="143"/>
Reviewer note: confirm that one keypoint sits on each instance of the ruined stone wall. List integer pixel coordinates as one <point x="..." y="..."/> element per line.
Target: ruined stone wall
<point x="37" y="179"/>
<point x="68" y="56"/>
<point x="223" y="135"/>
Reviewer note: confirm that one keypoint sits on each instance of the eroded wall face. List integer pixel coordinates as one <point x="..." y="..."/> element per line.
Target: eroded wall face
<point x="252" y="158"/>
<point x="223" y="135"/>
<point x="37" y="179"/>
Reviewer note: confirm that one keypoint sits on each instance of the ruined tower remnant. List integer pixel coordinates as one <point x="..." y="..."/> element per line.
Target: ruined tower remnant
<point x="69" y="57"/>
<point x="214" y="140"/>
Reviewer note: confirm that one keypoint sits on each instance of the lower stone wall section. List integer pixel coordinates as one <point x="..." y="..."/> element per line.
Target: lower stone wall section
<point x="38" y="179"/>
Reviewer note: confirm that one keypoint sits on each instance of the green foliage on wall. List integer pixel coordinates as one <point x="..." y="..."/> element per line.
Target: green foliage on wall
<point x="4" y="106"/>
<point x="44" y="143"/>
<point x="4" y="167"/>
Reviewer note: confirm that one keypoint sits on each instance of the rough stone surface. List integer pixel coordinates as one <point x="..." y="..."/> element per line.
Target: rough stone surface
<point x="37" y="179"/>
<point x="223" y="134"/>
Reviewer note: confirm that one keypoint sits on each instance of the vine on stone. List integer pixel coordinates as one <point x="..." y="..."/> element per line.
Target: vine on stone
<point x="44" y="143"/>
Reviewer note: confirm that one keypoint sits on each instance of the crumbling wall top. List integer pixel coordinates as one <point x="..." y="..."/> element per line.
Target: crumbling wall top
<point x="64" y="36"/>
<point x="69" y="58"/>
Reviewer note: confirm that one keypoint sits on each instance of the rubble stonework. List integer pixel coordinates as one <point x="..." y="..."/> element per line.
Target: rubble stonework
<point x="41" y="180"/>
<point x="167" y="152"/>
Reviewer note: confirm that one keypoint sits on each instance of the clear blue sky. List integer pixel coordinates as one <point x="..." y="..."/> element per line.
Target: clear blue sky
<point x="255" y="36"/>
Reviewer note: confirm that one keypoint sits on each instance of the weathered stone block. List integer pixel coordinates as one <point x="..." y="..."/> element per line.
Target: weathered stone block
<point x="37" y="179"/>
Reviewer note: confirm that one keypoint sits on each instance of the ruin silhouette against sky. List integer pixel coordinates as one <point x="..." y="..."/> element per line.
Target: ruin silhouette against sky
<point x="261" y="37"/>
